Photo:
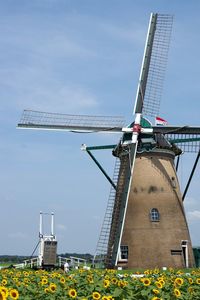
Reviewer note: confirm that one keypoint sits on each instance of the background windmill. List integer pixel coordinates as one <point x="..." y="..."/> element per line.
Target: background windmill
<point x="145" y="203"/>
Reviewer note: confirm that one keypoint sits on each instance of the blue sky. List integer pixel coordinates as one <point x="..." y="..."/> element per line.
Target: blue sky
<point x="81" y="57"/>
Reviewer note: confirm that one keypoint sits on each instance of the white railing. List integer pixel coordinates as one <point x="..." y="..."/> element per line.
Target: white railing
<point x="28" y="263"/>
<point x="72" y="260"/>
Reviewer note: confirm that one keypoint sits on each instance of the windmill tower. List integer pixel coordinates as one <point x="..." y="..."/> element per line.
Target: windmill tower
<point x="145" y="224"/>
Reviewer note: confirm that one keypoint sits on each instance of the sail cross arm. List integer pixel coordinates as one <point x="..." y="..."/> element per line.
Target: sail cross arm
<point x="176" y="129"/>
<point x="78" y="129"/>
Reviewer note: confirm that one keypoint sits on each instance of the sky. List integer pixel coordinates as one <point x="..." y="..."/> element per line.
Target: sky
<point x="82" y="57"/>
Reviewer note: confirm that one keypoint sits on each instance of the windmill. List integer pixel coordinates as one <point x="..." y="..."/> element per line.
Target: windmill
<point x="145" y="224"/>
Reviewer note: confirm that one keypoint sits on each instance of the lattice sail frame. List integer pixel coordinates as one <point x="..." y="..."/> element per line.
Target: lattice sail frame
<point x="45" y="120"/>
<point x="157" y="66"/>
<point x="186" y="142"/>
<point x="186" y="138"/>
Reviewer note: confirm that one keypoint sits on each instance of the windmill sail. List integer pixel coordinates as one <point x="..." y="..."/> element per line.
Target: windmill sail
<point x="187" y="143"/>
<point x="83" y="123"/>
<point x="187" y="138"/>
<point x="154" y="64"/>
<point x="127" y="158"/>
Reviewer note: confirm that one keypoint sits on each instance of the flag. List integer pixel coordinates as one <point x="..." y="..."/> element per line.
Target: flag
<point x="160" y="121"/>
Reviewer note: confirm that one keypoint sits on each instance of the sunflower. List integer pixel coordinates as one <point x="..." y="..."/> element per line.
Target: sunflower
<point x="155" y="298"/>
<point x="90" y="279"/>
<point x="106" y="283"/>
<point x="2" y="296"/>
<point x="179" y="281"/>
<point x="4" y="290"/>
<point x="114" y="280"/>
<point x="177" y="293"/>
<point x="96" y="295"/>
<point x="155" y="291"/>
<point x="146" y="281"/>
<point x="62" y="280"/>
<point x="159" y="284"/>
<point x="72" y="293"/>
<point x="161" y="281"/>
<point x="121" y="283"/>
<point x="44" y="281"/>
<point x="4" y="281"/>
<point x="52" y="287"/>
<point x="14" y="294"/>
<point x="179" y="272"/>
<point x="26" y="280"/>
<point x="190" y="280"/>
<point x="198" y="280"/>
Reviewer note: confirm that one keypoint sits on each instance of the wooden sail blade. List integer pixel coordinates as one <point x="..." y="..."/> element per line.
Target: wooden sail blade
<point x="77" y="123"/>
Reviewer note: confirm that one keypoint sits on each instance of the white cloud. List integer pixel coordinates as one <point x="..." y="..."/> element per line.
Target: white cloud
<point x="194" y="215"/>
<point x="58" y="98"/>
<point x="35" y="89"/>
<point x="191" y="202"/>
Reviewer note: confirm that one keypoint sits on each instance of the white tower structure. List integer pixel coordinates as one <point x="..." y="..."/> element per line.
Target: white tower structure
<point x="48" y="244"/>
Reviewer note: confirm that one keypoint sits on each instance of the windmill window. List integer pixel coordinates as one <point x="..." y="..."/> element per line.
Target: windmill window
<point x="124" y="252"/>
<point x="173" y="182"/>
<point x="154" y="215"/>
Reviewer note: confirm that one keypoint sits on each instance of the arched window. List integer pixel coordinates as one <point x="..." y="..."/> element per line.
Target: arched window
<point x="154" y="215"/>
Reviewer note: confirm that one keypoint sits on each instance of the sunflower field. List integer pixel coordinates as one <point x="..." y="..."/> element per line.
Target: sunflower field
<point x="98" y="284"/>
